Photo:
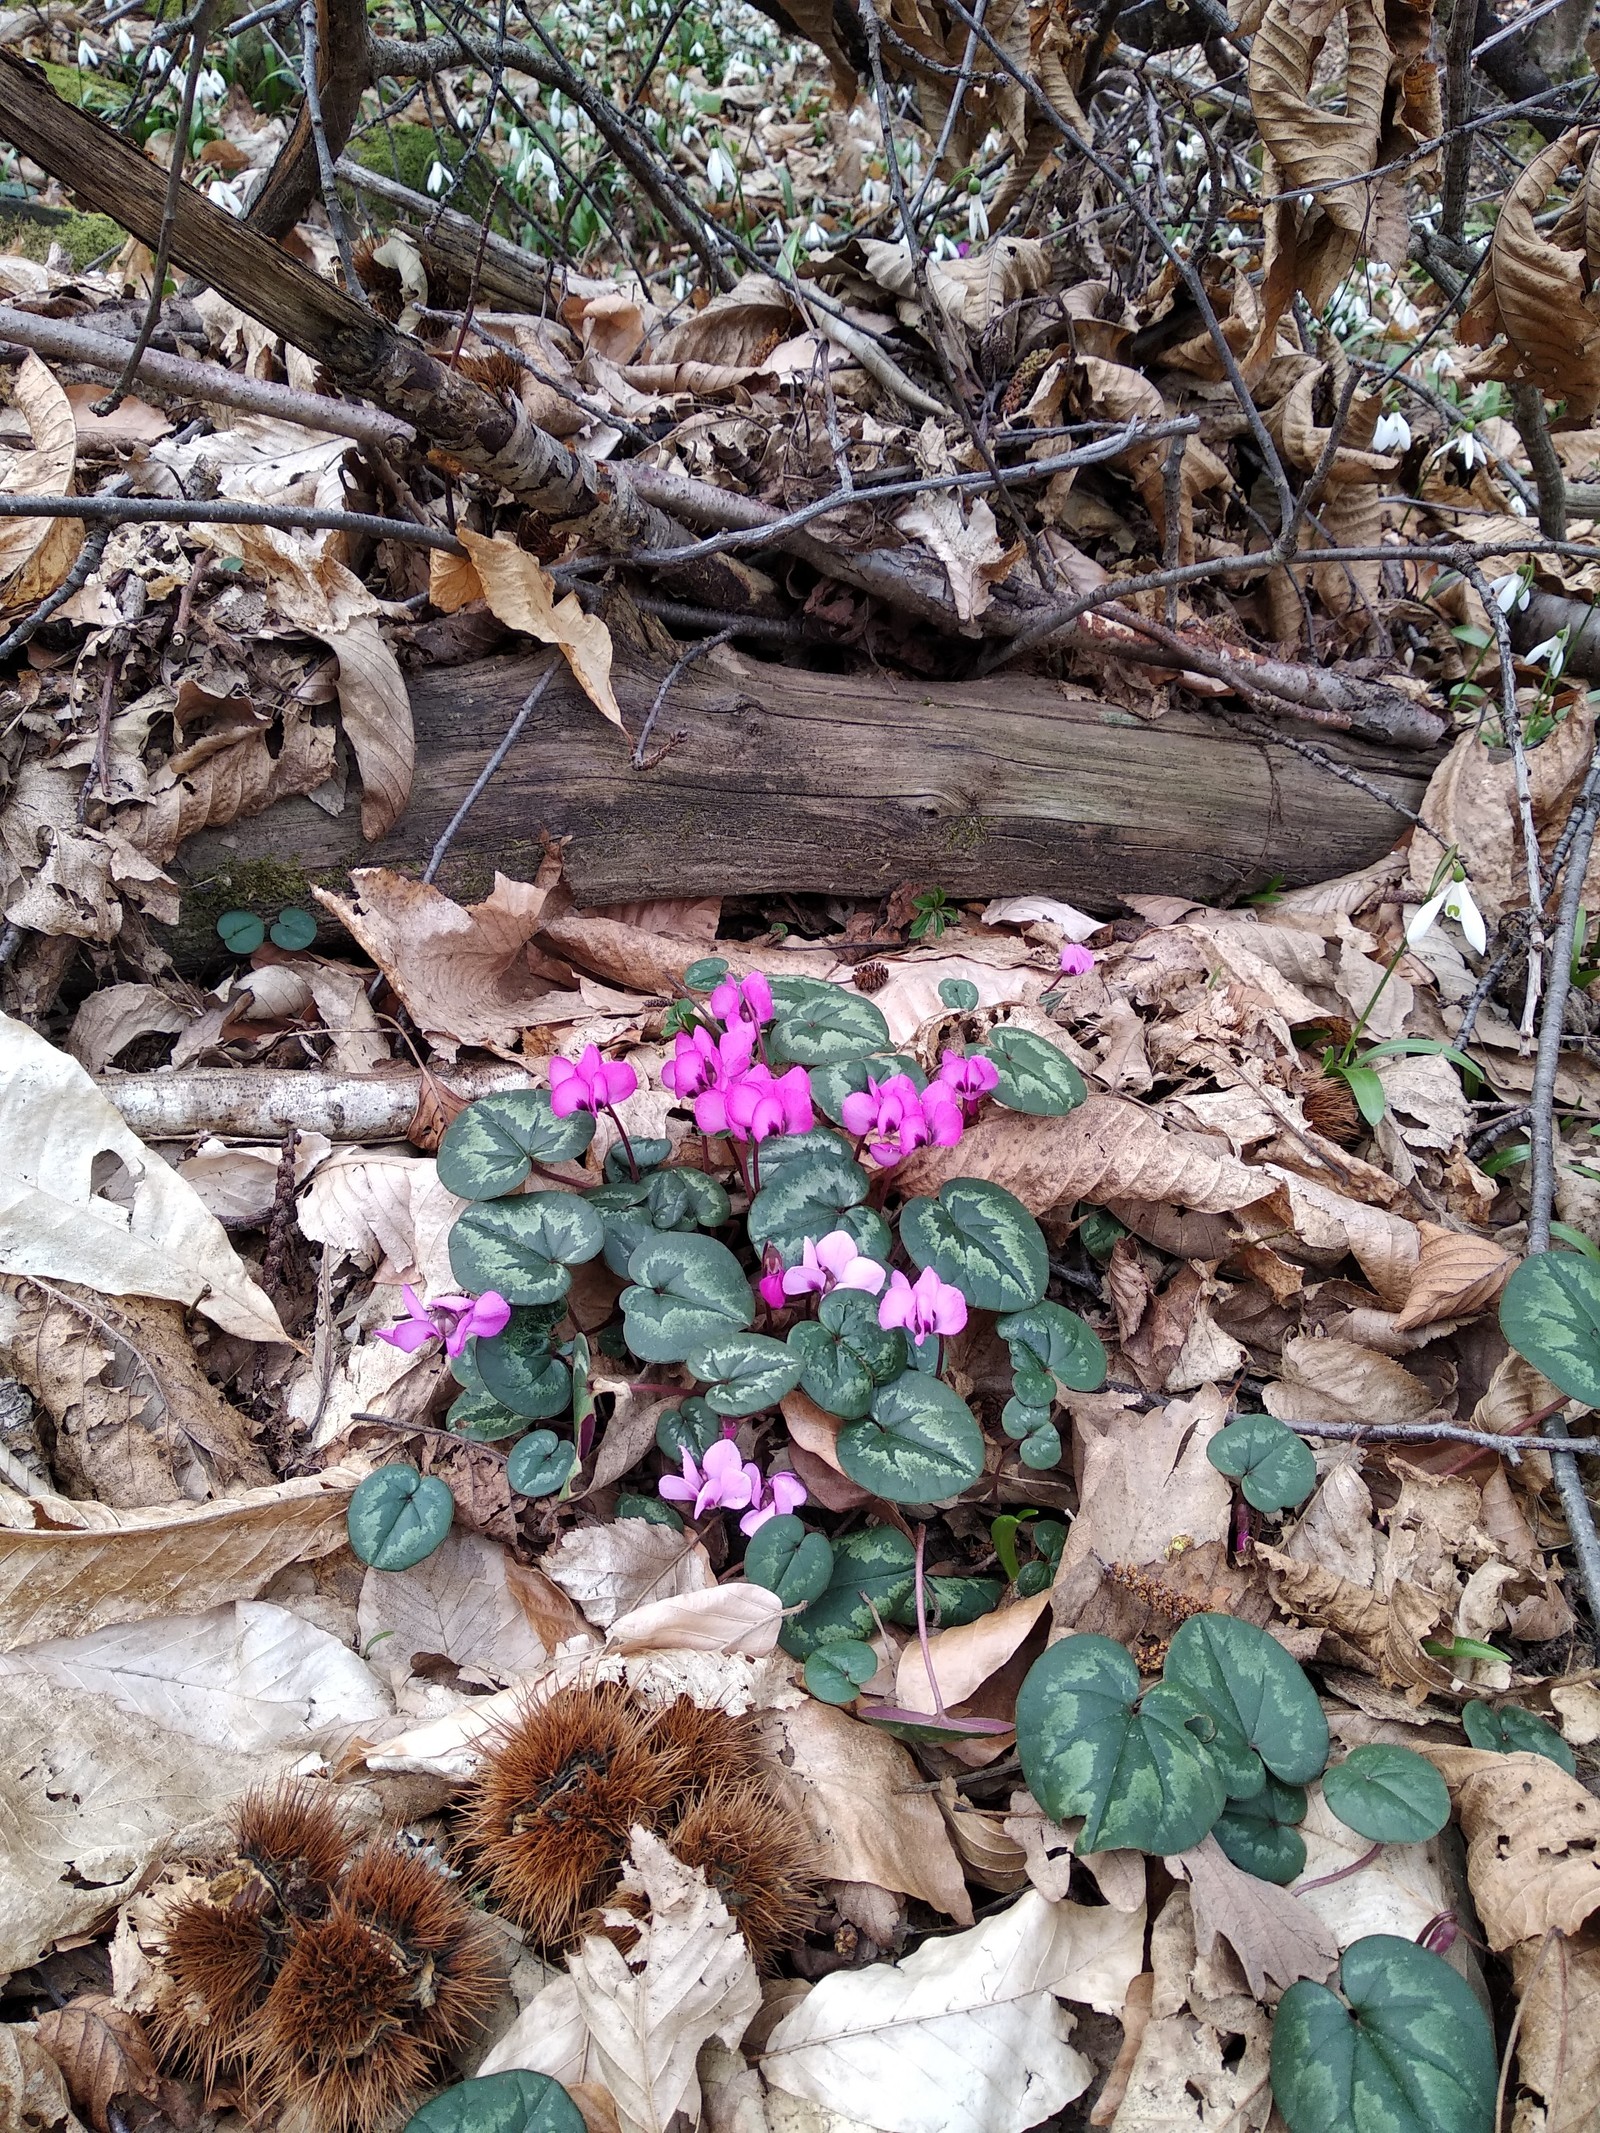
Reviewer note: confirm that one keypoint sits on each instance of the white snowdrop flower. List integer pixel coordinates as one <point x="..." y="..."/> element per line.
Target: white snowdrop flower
<point x="615" y="24"/>
<point x="815" y="238"/>
<point x="211" y="87"/>
<point x="1393" y="434"/>
<point x="438" y="177"/>
<point x="1403" y="314"/>
<point x="124" y="41"/>
<point x="680" y="288"/>
<point x="719" y="172"/>
<point x="1470" y="452"/>
<point x="1509" y="592"/>
<point x="977" y="219"/>
<point x="87" y="55"/>
<point x="1550" y="652"/>
<point x="1455" y="901"/>
<point x="223" y="195"/>
<point x="697" y="50"/>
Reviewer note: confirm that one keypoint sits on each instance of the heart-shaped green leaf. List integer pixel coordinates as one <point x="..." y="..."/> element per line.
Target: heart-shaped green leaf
<point x="1246" y="1681"/>
<point x="705" y="974"/>
<point x="1034" y="1076"/>
<point x="830" y="1085"/>
<point x="838" y="1672"/>
<point x="1258" y="1835"/>
<point x="241" y="932"/>
<point x="516" y="2102"/>
<point x="651" y="1509"/>
<point x="1550" y="1313"/>
<point x="959" y="994"/>
<point x="1019" y="1419"/>
<point x="1388" y="1794"/>
<point x="481" y="1418"/>
<point x="979" y="1238"/>
<point x="744" y="1372"/>
<point x="294" y="929"/>
<point x="540" y="1463"/>
<point x="685" y="1199"/>
<point x="805" y="1199"/>
<point x="491" y="1146"/>
<point x="1042" y="1449"/>
<point x="1237" y="1763"/>
<point x="398" y="1516"/>
<point x="789" y="1561"/>
<point x="524" y="1246"/>
<point x="950" y="1602"/>
<point x="920" y="1443"/>
<point x="1087" y="1749"/>
<point x="1513" y="1731"/>
<point x="819" y="1024"/>
<point x="518" y="1370"/>
<point x="874" y="1567"/>
<point x="1411" y="2053"/>
<point x="1274" y="1469"/>
<point x="687" y="1290"/>
<point x="617" y="1170"/>
<point x="625" y="1218"/>
<point x="1057" y="1344"/>
<point x="691" y="1428"/>
<point x="846" y="1354"/>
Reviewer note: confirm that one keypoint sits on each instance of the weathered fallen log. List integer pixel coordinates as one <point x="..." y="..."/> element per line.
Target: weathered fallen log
<point x="262" y="1103"/>
<point x="779" y="779"/>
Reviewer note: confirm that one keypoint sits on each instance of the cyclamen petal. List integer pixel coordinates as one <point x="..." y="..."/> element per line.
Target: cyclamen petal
<point x="1076" y="960"/>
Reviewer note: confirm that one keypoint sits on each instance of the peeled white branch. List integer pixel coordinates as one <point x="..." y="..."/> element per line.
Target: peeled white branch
<point x="262" y="1103"/>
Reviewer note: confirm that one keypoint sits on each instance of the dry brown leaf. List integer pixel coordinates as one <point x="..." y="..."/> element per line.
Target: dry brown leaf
<point x="741" y="1618"/>
<point x="964" y="1658"/>
<point x="87" y="1566"/>
<point x="991" y="1857"/>
<point x="37" y="553"/>
<point x="33" y="2096"/>
<point x="1458" y="1275"/>
<point x="232" y="783"/>
<point x="1334" y="1531"/>
<point x="1276" y="1937"/>
<point x="969" y="548"/>
<point x="58" y="1133"/>
<point x="1182" y="2065"/>
<point x="1146" y="1481"/>
<point x="1471" y="803"/>
<point x="1558" y="2045"/>
<point x="113" y="1017"/>
<point x="1324" y="1380"/>
<point x="609" y="1571"/>
<point x="521" y="593"/>
<point x="1536" y="286"/>
<point x="1135" y="2020"/>
<point x="377" y="718"/>
<point x="1311" y="1224"/>
<point x="103" y="2053"/>
<point x="736" y="330"/>
<point x="1533" y="1842"/>
<point x="467" y="1602"/>
<point x="857" y="1791"/>
<point x="1315" y="147"/>
<point x="386" y="1211"/>
<point x="1386" y="1634"/>
<point x="462" y="970"/>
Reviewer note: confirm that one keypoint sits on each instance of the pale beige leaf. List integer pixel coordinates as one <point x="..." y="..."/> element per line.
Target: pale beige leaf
<point x="1558" y="2046"/>
<point x="1535" y="287"/>
<point x="964" y="1658"/>
<point x="360" y="1044"/>
<point x="1335" y="1381"/>
<point x="384" y="1210"/>
<point x="974" y="561"/>
<point x="103" y="2052"/>
<point x="857" y="1791"/>
<point x="1186" y="2075"/>
<point x="377" y="720"/>
<point x="68" y="1578"/>
<point x="238" y="1182"/>
<point x="739" y="1618"/>
<point x="1387" y="1633"/>
<point x="56" y="1220"/>
<point x="1459" y="1274"/>
<point x="33" y="2096"/>
<point x="37" y="553"/>
<point x="736" y="330"/>
<point x="964" y="2035"/>
<point x="112" y="1017"/>
<point x="688" y="1978"/>
<point x="1335" y="1530"/>
<point x="549" y="2036"/>
<point x="1276" y="1937"/>
<point x="1578" y="1708"/>
<point x="1146" y="1481"/>
<point x="187" y="796"/>
<point x="1398" y="1892"/>
<point x="468" y="1602"/>
<point x="462" y="971"/>
<point x="521" y="592"/>
<point x="609" y="1571"/>
<point x="1533" y="1843"/>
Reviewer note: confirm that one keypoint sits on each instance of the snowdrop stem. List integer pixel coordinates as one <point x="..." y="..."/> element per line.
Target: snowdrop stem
<point x="1441" y="874"/>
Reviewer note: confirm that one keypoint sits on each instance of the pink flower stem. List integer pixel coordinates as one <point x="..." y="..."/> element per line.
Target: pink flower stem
<point x="939" y="1372"/>
<point x="627" y="1145"/>
<point x="755" y="1168"/>
<point x="1322" y="1881"/>
<point x="922" y="1626"/>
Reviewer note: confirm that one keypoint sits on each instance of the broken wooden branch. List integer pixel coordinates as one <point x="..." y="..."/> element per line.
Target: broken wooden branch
<point x="262" y="1103"/>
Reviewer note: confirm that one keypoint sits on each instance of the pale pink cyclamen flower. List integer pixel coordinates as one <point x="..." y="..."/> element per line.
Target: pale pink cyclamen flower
<point x="969" y="1077"/>
<point x="720" y="1482"/>
<point x="925" y="1306"/>
<point x="455" y="1320"/>
<point x="833" y="1262"/>
<point x="776" y="1498"/>
<point x="1077" y="961"/>
<point x="744" y="1000"/>
<point x="894" y="1118"/>
<point x="589" y="1083"/>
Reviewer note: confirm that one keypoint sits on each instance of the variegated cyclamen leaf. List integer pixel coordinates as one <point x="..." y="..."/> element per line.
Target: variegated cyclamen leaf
<point x="787" y="1560"/>
<point x="523" y="1247"/>
<point x="481" y="1418"/>
<point x="1273" y="1467"/>
<point x="948" y="1603"/>
<point x="517" y="1369"/>
<point x="646" y="1155"/>
<point x="688" y="1289"/>
<point x="846" y="1353"/>
<point x="1412" y="2052"/>
<point x="1057" y="1343"/>
<point x="821" y="1025"/>
<point x="874" y="1568"/>
<point x="1245" y="1681"/>
<point x="685" y="1199"/>
<point x="806" y="1199"/>
<point x="977" y="1237"/>
<point x="540" y="1463"/>
<point x="1087" y="1749"/>
<point x="1034" y="1076"/>
<point x="830" y="1085"/>
<point x="516" y="2102"/>
<point x="1390" y="1795"/>
<point x="625" y="1219"/>
<point x="490" y="1147"/>
<point x="1550" y="1313"/>
<point x="919" y="1444"/>
<point x="1512" y="1731"/>
<point x="1259" y="1836"/>
<point x="744" y="1372"/>
<point x="398" y="1516"/>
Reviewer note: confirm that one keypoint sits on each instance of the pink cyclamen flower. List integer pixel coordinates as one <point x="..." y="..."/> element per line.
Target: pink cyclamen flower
<point x="776" y="1498"/>
<point x="894" y="1118"/>
<point x="833" y="1262"/>
<point x="925" y="1306"/>
<point x="720" y="1482"/>
<point x="744" y="1000"/>
<point x="455" y="1320"/>
<point x="969" y="1077"/>
<point x="1077" y="961"/>
<point x="589" y="1083"/>
<point x="758" y="1103"/>
<point x="769" y="1288"/>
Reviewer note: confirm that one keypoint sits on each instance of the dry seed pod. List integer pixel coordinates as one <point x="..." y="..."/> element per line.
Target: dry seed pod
<point x="547" y="1818"/>
<point x="717" y="1750"/>
<point x="756" y="1856"/>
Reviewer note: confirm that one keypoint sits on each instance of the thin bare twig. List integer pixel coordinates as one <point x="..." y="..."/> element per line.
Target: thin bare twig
<point x="481" y="783"/>
<point x="310" y="47"/>
<point x="680" y="667"/>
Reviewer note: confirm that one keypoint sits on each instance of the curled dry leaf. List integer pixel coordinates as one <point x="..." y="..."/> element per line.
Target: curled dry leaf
<point x="964" y="1658"/>
<point x="111" y="1018"/>
<point x="1533" y="1842"/>
<point x="1335" y="1381"/>
<point x="462" y="971"/>
<point x="33" y="2096"/>
<point x="521" y="593"/>
<point x="377" y="718"/>
<point x="384" y="1210"/>
<point x="37" y="553"/>
<point x="738" y="1618"/>
<point x="1558" y="2046"/>
<point x="964" y="2035"/>
<point x="1458" y="1275"/>
<point x="1537" y="285"/>
<point x="57" y="1220"/>
<point x="1276" y="1937"/>
<point x="969" y="548"/>
<point x="1190" y="2054"/>
<point x="104" y="2054"/>
<point x="609" y="1571"/>
<point x="1146" y="1481"/>
<point x="1387" y="1633"/>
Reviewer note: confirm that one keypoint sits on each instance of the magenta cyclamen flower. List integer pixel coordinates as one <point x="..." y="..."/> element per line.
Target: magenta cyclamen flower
<point x="720" y="1482"/>
<point x="776" y="1498"/>
<point x="969" y="1077"/>
<point x="589" y="1083"/>
<point x="1077" y="961"/>
<point x="833" y="1262"/>
<point x="744" y="1000"/>
<point x="455" y="1320"/>
<point x="894" y="1117"/>
<point x="924" y="1306"/>
<point x="759" y="1103"/>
